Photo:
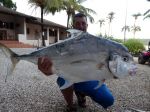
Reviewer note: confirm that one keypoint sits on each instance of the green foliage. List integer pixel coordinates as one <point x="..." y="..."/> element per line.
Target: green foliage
<point x="134" y="46"/>
<point x="117" y="40"/>
<point x="114" y="39"/>
<point x="8" y="4"/>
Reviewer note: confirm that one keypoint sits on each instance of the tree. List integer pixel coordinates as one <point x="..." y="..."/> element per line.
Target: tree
<point x="110" y="18"/>
<point x="135" y="29"/>
<point x="75" y="5"/>
<point x="101" y="23"/>
<point x="8" y="4"/>
<point x="46" y="6"/>
<point x="136" y="17"/>
<point x="125" y="28"/>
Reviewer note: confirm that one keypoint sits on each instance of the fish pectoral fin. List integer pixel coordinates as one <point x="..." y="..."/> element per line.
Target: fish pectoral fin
<point x="82" y="61"/>
<point x="75" y="62"/>
<point x="100" y="66"/>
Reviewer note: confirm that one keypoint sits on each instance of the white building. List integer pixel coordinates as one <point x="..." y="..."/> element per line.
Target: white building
<point x="16" y="26"/>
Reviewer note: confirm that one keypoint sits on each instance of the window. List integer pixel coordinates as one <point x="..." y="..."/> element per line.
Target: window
<point x="1" y="24"/>
<point x="28" y="31"/>
<point x="5" y="25"/>
<point x="11" y="25"/>
<point x="52" y="32"/>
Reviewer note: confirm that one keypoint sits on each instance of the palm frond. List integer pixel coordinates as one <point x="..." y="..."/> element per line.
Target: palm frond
<point x="80" y="1"/>
<point x="148" y="16"/>
<point x="125" y="28"/>
<point x="146" y="12"/>
<point x="53" y="6"/>
<point x="87" y="12"/>
<point x="90" y="10"/>
<point x="90" y="18"/>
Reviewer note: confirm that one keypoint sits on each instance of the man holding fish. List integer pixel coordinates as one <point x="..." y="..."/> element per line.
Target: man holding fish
<point x="82" y="62"/>
<point x="101" y="94"/>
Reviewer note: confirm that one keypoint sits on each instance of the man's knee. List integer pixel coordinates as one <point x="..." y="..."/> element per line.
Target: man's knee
<point x="63" y="83"/>
<point x="103" y="96"/>
<point x="60" y="81"/>
<point x="107" y="101"/>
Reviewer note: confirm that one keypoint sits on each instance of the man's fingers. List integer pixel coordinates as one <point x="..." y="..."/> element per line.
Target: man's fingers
<point x="45" y="65"/>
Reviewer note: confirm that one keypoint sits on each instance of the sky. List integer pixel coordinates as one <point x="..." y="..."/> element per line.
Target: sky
<point x="122" y="9"/>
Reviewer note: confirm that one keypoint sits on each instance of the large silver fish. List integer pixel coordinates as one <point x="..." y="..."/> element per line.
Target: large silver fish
<point x="81" y="57"/>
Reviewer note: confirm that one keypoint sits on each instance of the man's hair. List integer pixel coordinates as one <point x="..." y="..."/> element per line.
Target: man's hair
<point x="79" y="15"/>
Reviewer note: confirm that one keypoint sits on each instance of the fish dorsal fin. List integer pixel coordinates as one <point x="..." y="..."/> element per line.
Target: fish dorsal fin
<point x="75" y="33"/>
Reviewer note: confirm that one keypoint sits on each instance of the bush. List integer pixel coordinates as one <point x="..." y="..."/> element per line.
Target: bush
<point x="134" y="46"/>
<point x="114" y="39"/>
<point x="118" y="40"/>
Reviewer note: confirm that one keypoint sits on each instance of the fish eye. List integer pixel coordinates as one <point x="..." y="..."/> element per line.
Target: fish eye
<point x="125" y="58"/>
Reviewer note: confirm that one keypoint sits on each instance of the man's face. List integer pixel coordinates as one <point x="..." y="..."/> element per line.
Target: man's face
<point x="80" y="23"/>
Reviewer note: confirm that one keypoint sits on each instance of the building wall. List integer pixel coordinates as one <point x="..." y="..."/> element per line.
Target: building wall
<point x="63" y="34"/>
<point x="33" y="31"/>
<point x="7" y="32"/>
<point x="28" y="33"/>
<point x="19" y="25"/>
<point x="14" y="26"/>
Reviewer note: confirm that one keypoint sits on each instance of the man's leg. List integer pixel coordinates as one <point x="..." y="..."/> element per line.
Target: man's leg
<point x="81" y="99"/>
<point x="101" y="95"/>
<point x="81" y="89"/>
<point x="68" y="95"/>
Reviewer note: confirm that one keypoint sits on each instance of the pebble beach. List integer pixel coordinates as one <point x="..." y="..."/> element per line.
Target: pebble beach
<point x="28" y="90"/>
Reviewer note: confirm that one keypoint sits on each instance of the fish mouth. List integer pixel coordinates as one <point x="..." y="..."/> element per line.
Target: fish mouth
<point x="122" y="70"/>
<point x="133" y="71"/>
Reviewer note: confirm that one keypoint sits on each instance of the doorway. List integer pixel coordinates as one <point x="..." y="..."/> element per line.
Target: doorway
<point x="3" y="35"/>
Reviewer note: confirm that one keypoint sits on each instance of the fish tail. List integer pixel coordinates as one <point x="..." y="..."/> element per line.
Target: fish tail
<point x="10" y="56"/>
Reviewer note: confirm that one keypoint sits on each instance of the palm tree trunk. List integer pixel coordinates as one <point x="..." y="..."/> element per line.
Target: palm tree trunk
<point x="42" y="29"/>
<point x="100" y="31"/>
<point x="125" y="34"/>
<point x="134" y="29"/>
<point x="134" y="34"/>
<point x="125" y="30"/>
<point x="108" y="29"/>
<point x="68" y="21"/>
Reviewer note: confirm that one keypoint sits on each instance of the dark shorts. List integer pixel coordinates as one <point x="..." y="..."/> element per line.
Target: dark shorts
<point x="101" y="95"/>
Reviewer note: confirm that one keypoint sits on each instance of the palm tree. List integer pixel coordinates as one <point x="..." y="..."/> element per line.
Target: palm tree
<point x="75" y="5"/>
<point x="110" y="18"/>
<point x="135" y="29"/>
<point x="135" y="18"/>
<point x="46" y="6"/>
<point x="101" y="22"/>
<point x="125" y="28"/>
<point x="9" y="4"/>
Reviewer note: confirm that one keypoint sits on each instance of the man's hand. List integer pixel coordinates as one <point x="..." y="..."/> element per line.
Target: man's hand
<point x="45" y="65"/>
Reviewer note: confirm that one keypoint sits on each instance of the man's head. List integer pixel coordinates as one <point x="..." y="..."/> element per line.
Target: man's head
<point x="80" y="22"/>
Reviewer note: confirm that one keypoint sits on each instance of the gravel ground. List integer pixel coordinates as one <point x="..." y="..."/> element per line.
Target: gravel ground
<point x="28" y="90"/>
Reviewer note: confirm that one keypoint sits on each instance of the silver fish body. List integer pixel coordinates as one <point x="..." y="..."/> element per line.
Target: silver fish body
<point x="83" y="57"/>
